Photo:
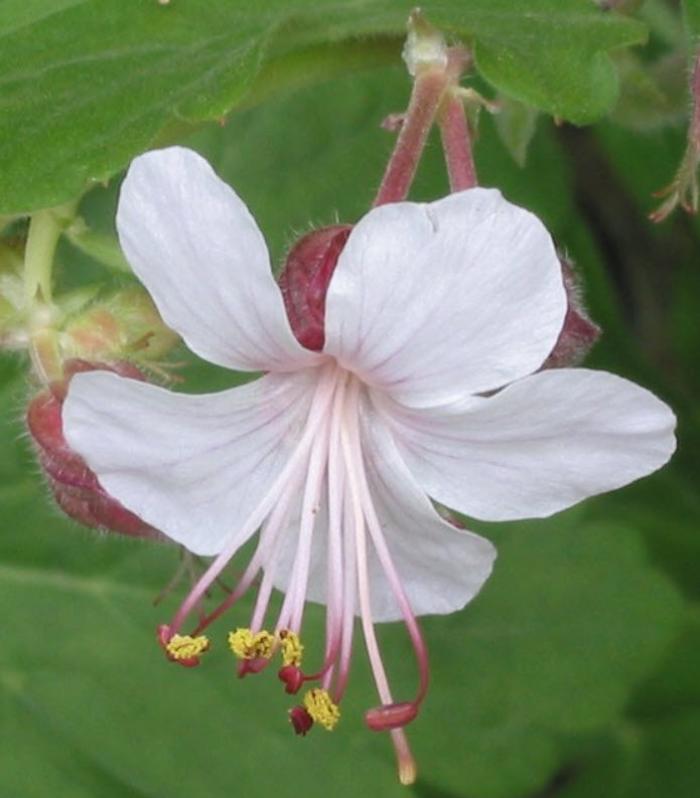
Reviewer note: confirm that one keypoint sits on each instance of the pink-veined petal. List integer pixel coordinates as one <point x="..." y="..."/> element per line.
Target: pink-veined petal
<point x="536" y="447"/>
<point x="432" y="302"/>
<point x="194" y="467"/>
<point x="195" y="246"/>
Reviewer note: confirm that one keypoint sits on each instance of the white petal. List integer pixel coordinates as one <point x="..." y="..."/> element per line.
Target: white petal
<point x="540" y="445"/>
<point x="194" y="245"/>
<point x="441" y="568"/>
<point x="194" y="467"/>
<point x="432" y="302"/>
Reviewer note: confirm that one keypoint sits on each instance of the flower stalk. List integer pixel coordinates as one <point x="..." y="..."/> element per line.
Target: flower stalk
<point x="436" y="95"/>
<point x="45" y="229"/>
<point x="454" y="127"/>
<point x="428" y="89"/>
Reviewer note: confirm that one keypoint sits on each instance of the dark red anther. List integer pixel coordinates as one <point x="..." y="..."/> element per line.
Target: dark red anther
<point x="292" y="677"/>
<point x="391" y="716"/>
<point x="301" y="720"/>
<point x="305" y="278"/>
<point x="578" y="333"/>
<point x="186" y="662"/>
<point x="255" y="665"/>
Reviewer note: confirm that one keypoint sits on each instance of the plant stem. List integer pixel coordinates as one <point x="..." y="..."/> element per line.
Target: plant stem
<point x="428" y="90"/>
<point x="45" y="229"/>
<point x="456" y="142"/>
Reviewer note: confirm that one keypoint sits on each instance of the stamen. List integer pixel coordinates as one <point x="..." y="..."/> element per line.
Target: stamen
<point x="292" y="610"/>
<point x="292" y="677"/>
<point x="352" y="454"/>
<point x="291" y="646"/>
<point x="321" y="708"/>
<point x="387" y="563"/>
<point x="317" y="415"/>
<point x="300" y="720"/>
<point x="248" y="645"/>
<point x="185" y="649"/>
<point x="349" y="593"/>
<point x="391" y="716"/>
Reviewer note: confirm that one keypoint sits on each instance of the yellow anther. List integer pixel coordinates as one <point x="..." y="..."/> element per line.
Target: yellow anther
<point x="185" y="647"/>
<point x="247" y="644"/>
<point x="292" y="648"/>
<point x="319" y="705"/>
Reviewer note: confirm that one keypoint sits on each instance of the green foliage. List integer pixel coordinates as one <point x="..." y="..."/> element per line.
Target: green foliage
<point x="577" y="665"/>
<point x="87" y="85"/>
<point x="691" y="14"/>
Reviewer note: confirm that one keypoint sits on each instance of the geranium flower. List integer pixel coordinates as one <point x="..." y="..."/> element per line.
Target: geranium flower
<point x="438" y="317"/>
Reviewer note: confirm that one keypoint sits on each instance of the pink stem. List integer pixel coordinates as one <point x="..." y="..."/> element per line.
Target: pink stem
<point x="457" y="143"/>
<point x="428" y="89"/>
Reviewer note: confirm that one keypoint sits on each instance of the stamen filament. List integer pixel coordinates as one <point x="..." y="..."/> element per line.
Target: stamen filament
<point x="293" y="606"/>
<point x="349" y="593"/>
<point x="316" y="416"/>
<point x="268" y="538"/>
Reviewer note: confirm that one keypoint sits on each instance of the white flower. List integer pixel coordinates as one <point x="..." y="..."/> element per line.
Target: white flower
<point x="336" y="455"/>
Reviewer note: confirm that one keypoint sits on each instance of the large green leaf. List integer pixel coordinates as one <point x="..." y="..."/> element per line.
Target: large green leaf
<point x="642" y="762"/>
<point x="691" y="12"/>
<point x="87" y="85"/>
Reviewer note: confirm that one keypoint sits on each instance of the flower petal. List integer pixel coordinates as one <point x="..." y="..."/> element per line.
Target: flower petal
<point x="536" y="447"/>
<point x="194" y="245"/>
<point x="432" y="302"/>
<point x="194" y="467"/>
<point x="441" y="567"/>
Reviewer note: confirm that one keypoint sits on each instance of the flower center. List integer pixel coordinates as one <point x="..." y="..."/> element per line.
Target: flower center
<point x="324" y="484"/>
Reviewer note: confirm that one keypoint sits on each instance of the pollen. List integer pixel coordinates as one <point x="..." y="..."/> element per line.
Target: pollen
<point x="247" y="644"/>
<point x="292" y="648"/>
<point x="321" y="709"/>
<point x="184" y="647"/>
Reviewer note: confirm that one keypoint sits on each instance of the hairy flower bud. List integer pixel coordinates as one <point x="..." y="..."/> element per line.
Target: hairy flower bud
<point x="304" y="281"/>
<point x="75" y="487"/>
<point x="579" y="333"/>
<point x="125" y="323"/>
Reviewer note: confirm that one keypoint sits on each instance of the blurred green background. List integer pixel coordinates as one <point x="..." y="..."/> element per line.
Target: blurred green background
<point x="575" y="673"/>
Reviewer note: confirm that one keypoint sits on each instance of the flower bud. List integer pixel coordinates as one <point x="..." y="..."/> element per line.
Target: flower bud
<point x="75" y="487"/>
<point x="579" y="333"/>
<point x="305" y="278"/>
<point x="125" y="324"/>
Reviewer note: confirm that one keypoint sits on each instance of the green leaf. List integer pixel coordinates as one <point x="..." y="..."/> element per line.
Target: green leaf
<point x="652" y="95"/>
<point x="516" y="124"/>
<point x="691" y="17"/>
<point x="674" y="687"/>
<point x="649" y="761"/>
<point x="88" y="85"/>
<point x="560" y="64"/>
